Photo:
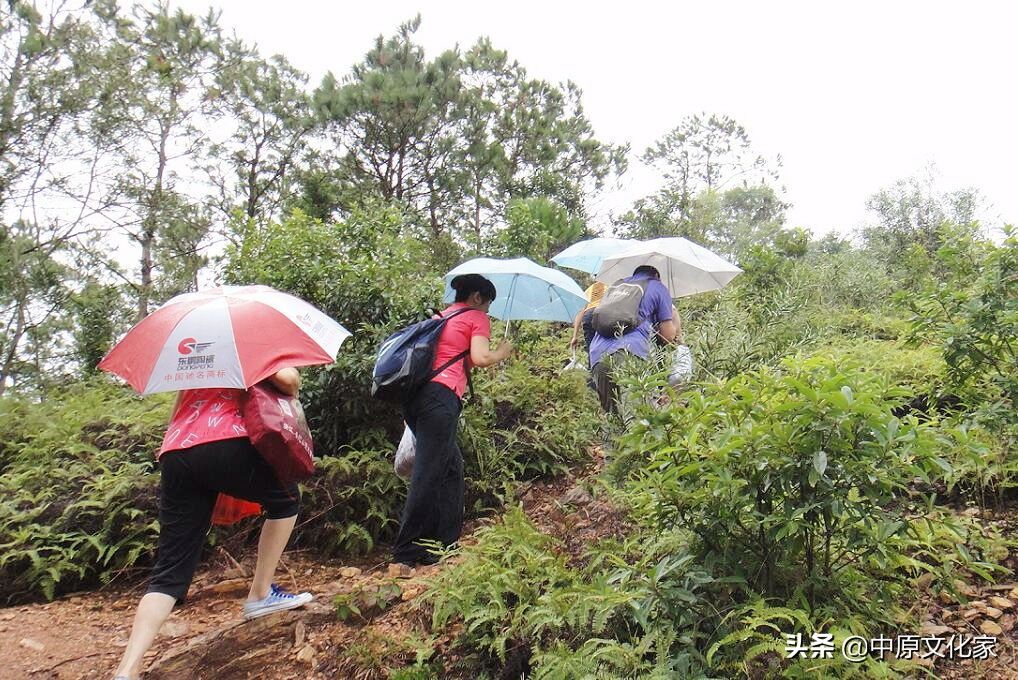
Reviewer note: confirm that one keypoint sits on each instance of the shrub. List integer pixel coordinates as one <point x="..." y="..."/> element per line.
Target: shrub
<point x="77" y="497"/>
<point x="513" y="589"/>
<point x="796" y="481"/>
<point x="352" y="503"/>
<point x="971" y="312"/>
<point x="527" y="420"/>
<point x="363" y="272"/>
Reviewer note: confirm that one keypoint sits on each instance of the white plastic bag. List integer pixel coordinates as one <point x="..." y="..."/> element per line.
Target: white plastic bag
<point x="682" y="366"/>
<point x="574" y="365"/>
<point x="405" y="453"/>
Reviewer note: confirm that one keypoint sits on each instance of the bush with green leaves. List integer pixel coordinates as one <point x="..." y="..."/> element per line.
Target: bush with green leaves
<point x="799" y="482"/>
<point x="77" y="497"/>
<point x="971" y="312"/>
<point x="366" y="273"/>
<point x="527" y="420"/>
<point x="514" y="591"/>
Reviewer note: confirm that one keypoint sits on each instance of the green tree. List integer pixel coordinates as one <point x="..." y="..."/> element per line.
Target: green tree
<point x="270" y="111"/>
<point x="537" y="228"/>
<point x="98" y="311"/>
<point x="717" y="191"/>
<point x="457" y="137"/>
<point x="164" y="73"/>
<point x="392" y="116"/>
<point x="525" y="137"/>
<point x="909" y="215"/>
<point x="33" y="287"/>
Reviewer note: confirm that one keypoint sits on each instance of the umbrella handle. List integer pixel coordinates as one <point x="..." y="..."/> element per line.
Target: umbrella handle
<point x="509" y="304"/>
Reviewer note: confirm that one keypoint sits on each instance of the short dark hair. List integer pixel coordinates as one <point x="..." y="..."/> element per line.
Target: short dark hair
<point x="652" y="272"/>
<point x="467" y="284"/>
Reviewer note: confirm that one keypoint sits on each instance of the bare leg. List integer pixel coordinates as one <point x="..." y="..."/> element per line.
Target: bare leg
<point x="275" y="534"/>
<point x="153" y="610"/>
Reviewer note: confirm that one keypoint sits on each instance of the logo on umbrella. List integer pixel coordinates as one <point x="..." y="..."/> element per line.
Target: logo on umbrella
<point x="189" y="345"/>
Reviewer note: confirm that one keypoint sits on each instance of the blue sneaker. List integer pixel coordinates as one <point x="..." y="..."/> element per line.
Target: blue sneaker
<point x="277" y="600"/>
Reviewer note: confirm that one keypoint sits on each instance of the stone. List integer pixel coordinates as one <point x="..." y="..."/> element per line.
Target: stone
<point x="970" y="614"/>
<point x="7" y="617"/>
<point x="945" y="597"/>
<point x="300" y="634"/>
<point x="29" y="643"/>
<point x="1001" y="603"/>
<point x="397" y="570"/>
<point x="990" y="628"/>
<point x="965" y="589"/>
<point x="232" y="586"/>
<point x="1013" y="593"/>
<point x="174" y="629"/>
<point x="930" y="629"/>
<point x="306" y="655"/>
<point x="576" y="496"/>
<point x="993" y="612"/>
<point x="351" y="572"/>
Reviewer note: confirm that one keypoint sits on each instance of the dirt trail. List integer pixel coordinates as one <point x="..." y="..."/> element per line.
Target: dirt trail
<point x="82" y="636"/>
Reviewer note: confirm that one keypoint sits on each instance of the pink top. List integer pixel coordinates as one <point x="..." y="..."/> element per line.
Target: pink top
<point x="454" y="339"/>
<point x="203" y="416"/>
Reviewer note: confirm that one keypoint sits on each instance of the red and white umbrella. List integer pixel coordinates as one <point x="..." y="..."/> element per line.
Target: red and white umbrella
<point x="232" y="336"/>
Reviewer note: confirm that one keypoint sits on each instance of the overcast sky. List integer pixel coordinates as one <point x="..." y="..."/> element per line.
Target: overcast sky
<point x="853" y="95"/>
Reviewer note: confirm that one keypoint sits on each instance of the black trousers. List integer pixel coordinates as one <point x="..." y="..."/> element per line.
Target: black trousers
<point x="434" y="504"/>
<point x="605" y="376"/>
<point x="587" y="324"/>
<point x="189" y="483"/>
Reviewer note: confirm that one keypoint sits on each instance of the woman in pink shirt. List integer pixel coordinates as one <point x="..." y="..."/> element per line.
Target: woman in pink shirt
<point x="434" y="504"/>
<point x="206" y="452"/>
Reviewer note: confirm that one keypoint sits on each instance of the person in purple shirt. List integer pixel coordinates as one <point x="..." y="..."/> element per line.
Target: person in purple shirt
<point x="608" y="353"/>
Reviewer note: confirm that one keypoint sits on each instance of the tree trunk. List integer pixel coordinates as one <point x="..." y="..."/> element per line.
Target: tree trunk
<point x="148" y="234"/>
<point x="12" y="351"/>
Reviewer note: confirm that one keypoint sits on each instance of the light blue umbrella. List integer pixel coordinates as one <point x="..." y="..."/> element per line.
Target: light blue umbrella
<point x="588" y="255"/>
<point x="526" y="290"/>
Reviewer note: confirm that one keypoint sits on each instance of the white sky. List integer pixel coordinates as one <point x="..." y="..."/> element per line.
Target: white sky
<point x="853" y="95"/>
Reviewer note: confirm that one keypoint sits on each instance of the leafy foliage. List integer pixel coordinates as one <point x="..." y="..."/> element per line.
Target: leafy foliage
<point x="77" y="500"/>
<point x="774" y="473"/>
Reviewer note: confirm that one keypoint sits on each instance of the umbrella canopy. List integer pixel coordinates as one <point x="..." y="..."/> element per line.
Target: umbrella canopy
<point x="588" y="255"/>
<point x="232" y="336"/>
<point x="686" y="268"/>
<point x="526" y="290"/>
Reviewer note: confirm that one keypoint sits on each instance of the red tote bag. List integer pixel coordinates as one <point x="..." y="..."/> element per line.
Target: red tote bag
<point x="276" y="426"/>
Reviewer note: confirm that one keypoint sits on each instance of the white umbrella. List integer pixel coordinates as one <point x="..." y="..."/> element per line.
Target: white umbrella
<point x="526" y="290"/>
<point x="686" y="268"/>
<point x="587" y="255"/>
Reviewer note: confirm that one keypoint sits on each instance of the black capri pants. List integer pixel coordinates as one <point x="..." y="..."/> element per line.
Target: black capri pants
<point x="189" y="484"/>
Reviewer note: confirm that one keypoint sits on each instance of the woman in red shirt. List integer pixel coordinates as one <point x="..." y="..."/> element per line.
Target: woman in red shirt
<point x="206" y="452"/>
<point x="434" y="504"/>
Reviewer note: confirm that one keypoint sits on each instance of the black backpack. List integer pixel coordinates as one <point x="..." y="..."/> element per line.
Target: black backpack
<point x="403" y="362"/>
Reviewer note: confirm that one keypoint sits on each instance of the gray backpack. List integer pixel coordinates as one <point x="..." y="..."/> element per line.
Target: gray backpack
<point x="619" y="311"/>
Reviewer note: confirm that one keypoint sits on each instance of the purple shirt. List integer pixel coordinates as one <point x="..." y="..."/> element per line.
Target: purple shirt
<point x="655" y="307"/>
